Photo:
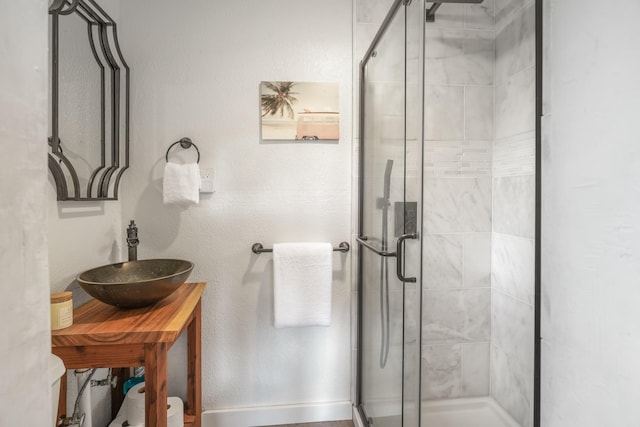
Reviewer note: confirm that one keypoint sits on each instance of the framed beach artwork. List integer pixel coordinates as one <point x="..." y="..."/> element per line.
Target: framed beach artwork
<point x="299" y="111"/>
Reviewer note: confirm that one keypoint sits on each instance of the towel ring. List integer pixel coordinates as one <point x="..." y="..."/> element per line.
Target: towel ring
<point x="184" y="143"/>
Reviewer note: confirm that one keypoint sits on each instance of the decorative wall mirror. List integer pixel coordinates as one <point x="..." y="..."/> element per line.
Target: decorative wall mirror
<point x="89" y="142"/>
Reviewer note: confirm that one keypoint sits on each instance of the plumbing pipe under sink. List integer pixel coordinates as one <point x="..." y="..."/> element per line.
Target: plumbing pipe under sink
<point x="83" y="406"/>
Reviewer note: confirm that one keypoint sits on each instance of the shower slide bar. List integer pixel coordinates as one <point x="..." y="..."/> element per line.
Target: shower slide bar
<point x="257" y="248"/>
<point x="398" y="254"/>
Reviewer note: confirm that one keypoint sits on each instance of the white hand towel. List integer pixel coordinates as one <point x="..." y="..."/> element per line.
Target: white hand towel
<point x="181" y="184"/>
<point x="302" y="284"/>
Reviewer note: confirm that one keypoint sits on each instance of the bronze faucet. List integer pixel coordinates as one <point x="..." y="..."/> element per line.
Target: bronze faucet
<point x="133" y="241"/>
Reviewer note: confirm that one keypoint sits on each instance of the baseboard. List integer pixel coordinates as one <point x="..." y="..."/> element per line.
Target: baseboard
<point x="275" y="415"/>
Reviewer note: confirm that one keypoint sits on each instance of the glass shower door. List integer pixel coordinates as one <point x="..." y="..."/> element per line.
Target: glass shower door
<point x="390" y="203"/>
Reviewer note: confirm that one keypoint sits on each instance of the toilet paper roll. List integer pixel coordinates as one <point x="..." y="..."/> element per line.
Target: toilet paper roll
<point x="135" y="405"/>
<point x="175" y="412"/>
<point x="135" y="409"/>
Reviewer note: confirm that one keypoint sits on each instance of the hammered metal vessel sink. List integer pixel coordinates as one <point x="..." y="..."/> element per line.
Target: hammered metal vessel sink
<point x="135" y="284"/>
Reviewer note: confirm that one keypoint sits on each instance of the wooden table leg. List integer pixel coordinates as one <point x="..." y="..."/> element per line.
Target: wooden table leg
<point x="62" y="398"/>
<point x="155" y="378"/>
<point x="193" y="408"/>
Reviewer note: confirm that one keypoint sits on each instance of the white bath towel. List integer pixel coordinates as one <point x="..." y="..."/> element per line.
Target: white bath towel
<point x="302" y="284"/>
<point x="181" y="184"/>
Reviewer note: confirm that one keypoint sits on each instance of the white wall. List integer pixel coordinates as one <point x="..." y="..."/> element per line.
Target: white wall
<point x="82" y="235"/>
<point x="591" y="209"/>
<point x="24" y="306"/>
<point x="195" y="72"/>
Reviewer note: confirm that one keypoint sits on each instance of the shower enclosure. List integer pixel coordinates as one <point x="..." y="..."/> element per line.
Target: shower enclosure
<point x="448" y="294"/>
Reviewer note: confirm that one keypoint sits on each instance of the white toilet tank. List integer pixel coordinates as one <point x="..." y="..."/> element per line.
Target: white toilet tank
<point x="56" y="370"/>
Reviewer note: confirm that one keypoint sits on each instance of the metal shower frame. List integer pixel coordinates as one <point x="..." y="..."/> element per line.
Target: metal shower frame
<point x="539" y="58"/>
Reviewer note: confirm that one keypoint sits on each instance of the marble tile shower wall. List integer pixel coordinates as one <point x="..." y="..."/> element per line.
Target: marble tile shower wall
<point x="459" y="133"/>
<point x="512" y="314"/>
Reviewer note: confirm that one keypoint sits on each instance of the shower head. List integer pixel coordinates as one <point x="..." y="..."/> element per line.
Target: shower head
<point x="387" y="179"/>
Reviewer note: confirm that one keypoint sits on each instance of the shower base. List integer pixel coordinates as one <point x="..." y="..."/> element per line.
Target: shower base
<point x="463" y="412"/>
<point x="474" y="412"/>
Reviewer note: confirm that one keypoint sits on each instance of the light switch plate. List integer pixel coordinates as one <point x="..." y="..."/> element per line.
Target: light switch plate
<point x="206" y="180"/>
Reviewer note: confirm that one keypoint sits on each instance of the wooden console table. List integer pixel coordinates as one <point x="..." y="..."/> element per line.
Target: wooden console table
<point x="103" y="336"/>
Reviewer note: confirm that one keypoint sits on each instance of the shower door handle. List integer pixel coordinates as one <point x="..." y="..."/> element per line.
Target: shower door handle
<point x="363" y="241"/>
<point x="400" y="257"/>
<point x="398" y="254"/>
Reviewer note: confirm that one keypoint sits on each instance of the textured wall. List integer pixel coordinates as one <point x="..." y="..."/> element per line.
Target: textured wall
<point x="512" y="248"/>
<point x="591" y="206"/>
<point x="24" y="307"/>
<point x="196" y="72"/>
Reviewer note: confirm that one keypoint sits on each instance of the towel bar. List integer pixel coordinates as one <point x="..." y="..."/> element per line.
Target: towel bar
<point x="257" y="248"/>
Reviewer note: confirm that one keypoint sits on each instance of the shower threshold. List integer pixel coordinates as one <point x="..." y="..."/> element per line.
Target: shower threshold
<point x="467" y="412"/>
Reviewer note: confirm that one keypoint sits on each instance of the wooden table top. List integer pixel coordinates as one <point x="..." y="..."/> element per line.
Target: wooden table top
<point x="96" y="323"/>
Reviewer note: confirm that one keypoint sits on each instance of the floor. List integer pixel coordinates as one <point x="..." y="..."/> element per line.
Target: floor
<point x="346" y="423"/>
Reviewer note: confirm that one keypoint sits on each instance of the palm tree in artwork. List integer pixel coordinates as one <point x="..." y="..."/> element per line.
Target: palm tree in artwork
<point x="280" y="100"/>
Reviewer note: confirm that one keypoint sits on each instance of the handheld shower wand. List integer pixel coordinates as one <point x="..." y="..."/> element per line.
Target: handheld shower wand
<point x="384" y="203"/>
